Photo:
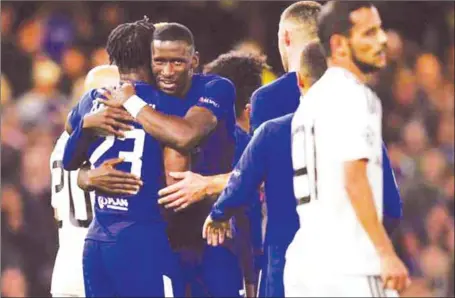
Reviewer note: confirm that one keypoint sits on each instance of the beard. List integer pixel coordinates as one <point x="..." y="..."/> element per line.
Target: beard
<point x="364" y="67"/>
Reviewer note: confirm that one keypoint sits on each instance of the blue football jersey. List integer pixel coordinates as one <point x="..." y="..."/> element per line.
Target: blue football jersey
<point x="142" y="156"/>
<point x="214" y="155"/>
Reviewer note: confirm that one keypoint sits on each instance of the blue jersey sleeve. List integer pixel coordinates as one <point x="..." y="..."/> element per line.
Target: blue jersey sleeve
<point x="245" y="179"/>
<point x="393" y="210"/>
<point x="83" y="107"/>
<point x="77" y="145"/>
<point x="218" y="97"/>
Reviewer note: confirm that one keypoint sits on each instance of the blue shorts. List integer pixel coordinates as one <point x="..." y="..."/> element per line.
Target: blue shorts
<point x="140" y="263"/>
<point x="271" y="275"/>
<point x="211" y="272"/>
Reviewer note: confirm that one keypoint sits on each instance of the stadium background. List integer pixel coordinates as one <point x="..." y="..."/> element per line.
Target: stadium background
<point x="47" y="48"/>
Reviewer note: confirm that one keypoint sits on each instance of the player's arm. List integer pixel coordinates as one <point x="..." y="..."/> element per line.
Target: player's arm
<point x="174" y="161"/>
<point x="85" y="126"/>
<point x="188" y="188"/>
<point x="245" y="179"/>
<point x="105" y="121"/>
<point x="393" y="209"/>
<point x="106" y="179"/>
<point x="179" y="133"/>
<point x="350" y="131"/>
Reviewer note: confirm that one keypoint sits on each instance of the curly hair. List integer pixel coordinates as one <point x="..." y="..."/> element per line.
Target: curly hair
<point x="245" y="72"/>
<point x="128" y="45"/>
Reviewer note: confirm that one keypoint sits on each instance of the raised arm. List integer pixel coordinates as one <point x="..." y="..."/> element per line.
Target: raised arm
<point x="87" y="120"/>
<point x="179" y="133"/>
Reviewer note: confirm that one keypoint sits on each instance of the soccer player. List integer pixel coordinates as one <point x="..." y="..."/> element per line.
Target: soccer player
<point x="126" y="250"/>
<point x="244" y="71"/>
<point x="205" y="105"/>
<point x="267" y="159"/>
<point x="296" y="29"/>
<point x="74" y="207"/>
<point x="342" y="248"/>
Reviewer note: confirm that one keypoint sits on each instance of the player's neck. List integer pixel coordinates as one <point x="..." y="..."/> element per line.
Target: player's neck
<point x="293" y="62"/>
<point x="135" y="76"/>
<point x="349" y="66"/>
<point x="243" y="123"/>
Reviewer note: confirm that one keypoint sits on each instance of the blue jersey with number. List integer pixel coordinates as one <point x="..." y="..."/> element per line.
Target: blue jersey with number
<point x="142" y="156"/>
<point x="214" y="155"/>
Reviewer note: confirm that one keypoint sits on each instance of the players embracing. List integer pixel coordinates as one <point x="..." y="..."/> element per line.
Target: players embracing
<point x="165" y="118"/>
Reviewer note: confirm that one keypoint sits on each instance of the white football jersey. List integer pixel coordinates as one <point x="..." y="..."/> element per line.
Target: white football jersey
<point x="74" y="209"/>
<point x="338" y="120"/>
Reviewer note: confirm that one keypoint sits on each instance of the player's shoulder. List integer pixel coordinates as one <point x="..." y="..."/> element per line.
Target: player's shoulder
<point x="337" y="91"/>
<point x="279" y="124"/>
<point x="211" y="80"/>
<point x="59" y="147"/>
<point x="275" y="88"/>
<point x="147" y="92"/>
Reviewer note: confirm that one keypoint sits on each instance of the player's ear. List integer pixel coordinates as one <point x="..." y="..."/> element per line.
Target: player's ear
<point x="300" y="80"/>
<point x="287" y="38"/>
<point x="195" y="60"/>
<point x="248" y="109"/>
<point x="339" y="45"/>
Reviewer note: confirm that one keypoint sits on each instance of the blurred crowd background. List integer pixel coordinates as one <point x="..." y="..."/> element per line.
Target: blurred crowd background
<point x="48" y="47"/>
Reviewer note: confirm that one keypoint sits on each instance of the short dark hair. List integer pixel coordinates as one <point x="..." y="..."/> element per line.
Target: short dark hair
<point x="313" y="60"/>
<point x="128" y="45"/>
<point x="174" y="32"/>
<point x="245" y="72"/>
<point x="334" y="18"/>
<point x="302" y="11"/>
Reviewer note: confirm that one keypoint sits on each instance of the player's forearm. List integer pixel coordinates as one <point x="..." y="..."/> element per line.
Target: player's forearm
<point x="83" y="180"/>
<point x="172" y="131"/>
<point x="216" y="184"/>
<point x="76" y="148"/>
<point x="361" y="197"/>
<point x="175" y="161"/>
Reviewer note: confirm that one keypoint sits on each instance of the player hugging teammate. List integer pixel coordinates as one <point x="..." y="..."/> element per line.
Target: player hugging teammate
<point x="152" y="144"/>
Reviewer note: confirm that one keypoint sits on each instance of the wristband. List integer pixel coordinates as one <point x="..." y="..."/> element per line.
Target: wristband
<point x="134" y="105"/>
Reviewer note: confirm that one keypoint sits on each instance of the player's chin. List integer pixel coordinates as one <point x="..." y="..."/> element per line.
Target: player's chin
<point x="170" y="90"/>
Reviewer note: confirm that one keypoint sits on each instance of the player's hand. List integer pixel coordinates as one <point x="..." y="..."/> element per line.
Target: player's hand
<point x="216" y="231"/>
<point x="108" y="180"/>
<point x="108" y="121"/>
<point x="394" y="273"/>
<point x="116" y="96"/>
<point x="190" y="189"/>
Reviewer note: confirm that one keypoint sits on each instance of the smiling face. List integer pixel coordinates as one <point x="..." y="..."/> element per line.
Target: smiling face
<point x="367" y="40"/>
<point x="173" y="63"/>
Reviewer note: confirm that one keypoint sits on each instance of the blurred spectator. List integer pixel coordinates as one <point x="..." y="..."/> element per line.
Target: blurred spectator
<point x="99" y="56"/>
<point x="6" y="92"/>
<point x="74" y="66"/>
<point x="12" y="141"/>
<point x="446" y="137"/>
<point x="58" y="34"/>
<point x="415" y="138"/>
<point x="41" y="105"/>
<point x="436" y="266"/>
<point x="47" y="47"/>
<point x="18" y="62"/>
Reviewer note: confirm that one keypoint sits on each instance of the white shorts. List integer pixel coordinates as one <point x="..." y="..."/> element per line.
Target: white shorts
<point x="67" y="276"/>
<point x="336" y="286"/>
